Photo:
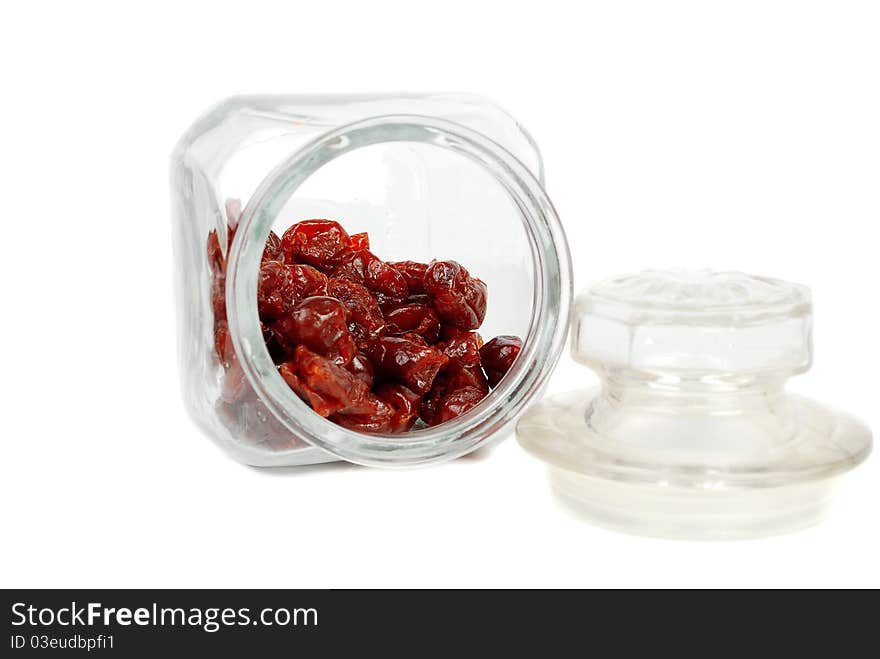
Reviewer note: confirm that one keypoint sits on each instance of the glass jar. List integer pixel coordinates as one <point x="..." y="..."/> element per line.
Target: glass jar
<point x="427" y="176"/>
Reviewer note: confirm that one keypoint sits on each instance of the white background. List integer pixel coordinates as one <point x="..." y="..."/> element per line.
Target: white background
<point x="724" y="134"/>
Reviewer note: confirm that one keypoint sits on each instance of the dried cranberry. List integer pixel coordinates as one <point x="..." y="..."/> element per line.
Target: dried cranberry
<point x="321" y="324"/>
<point x="218" y="295"/>
<point x="223" y="343"/>
<point x="437" y="408"/>
<point x="272" y="251"/>
<point x="360" y="241"/>
<point x="218" y="254"/>
<point x="364" y="316"/>
<point x="405" y="404"/>
<point x="460" y="300"/>
<point x="462" y="347"/>
<point x="458" y="376"/>
<point x="327" y="387"/>
<point x="276" y="293"/>
<point x="458" y="402"/>
<point x="321" y="243"/>
<point x="362" y="368"/>
<point x="454" y="386"/>
<point x="307" y="281"/>
<point x="370" y="415"/>
<point x="417" y="318"/>
<point x="414" y="274"/>
<point x="366" y="268"/>
<point x="498" y="356"/>
<point x="407" y="359"/>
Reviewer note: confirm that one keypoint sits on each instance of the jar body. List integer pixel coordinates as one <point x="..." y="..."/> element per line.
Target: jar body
<point x="416" y="201"/>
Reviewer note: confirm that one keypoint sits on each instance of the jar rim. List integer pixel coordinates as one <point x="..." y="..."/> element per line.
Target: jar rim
<point x="542" y="344"/>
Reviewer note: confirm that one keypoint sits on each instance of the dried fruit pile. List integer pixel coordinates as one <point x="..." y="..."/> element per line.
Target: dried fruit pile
<point x="372" y="345"/>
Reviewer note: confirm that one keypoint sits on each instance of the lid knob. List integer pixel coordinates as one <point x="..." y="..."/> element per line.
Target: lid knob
<point x="694" y="324"/>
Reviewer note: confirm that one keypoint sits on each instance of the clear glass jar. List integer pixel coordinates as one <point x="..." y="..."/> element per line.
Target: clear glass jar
<point x="427" y="176"/>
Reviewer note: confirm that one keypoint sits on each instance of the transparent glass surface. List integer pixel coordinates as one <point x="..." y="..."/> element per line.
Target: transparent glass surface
<point x="692" y="432"/>
<point x="427" y="176"/>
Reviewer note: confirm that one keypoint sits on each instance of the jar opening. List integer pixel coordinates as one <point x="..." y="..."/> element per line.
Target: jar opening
<point x="547" y="268"/>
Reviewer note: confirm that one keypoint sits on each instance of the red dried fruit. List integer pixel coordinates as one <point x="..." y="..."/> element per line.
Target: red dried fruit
<point x="218" y="295"/>
<point x="461" y="347"/>
<point x="417" y="318"/>
<point x="216" y="255"/>
<point x="404" y="403"/>
<point x="498" y="356"/>
<point x="327" y="387"/>
<point x="459" y="298"/>
<point x="272" y="251"/>
<point x="223" y="343"/>
<point x="458" y="402"/>
<point x="387" y="305"/>
<point x="437" y="408"/>
<point x="307" y="281"/>
<point x="321" y="243"/>
<point x="361" y="368"/>
<point x="407" y="359"/>
<point x="321" y="324"/>
<point x="458" y="376"/>
<point x="414" y="274"/>
<point x="370" y="415"/>
<point x="360" y="241"/>
<point x="275" y="290"/>
<point x="217" y="259"/>
<point x="445" y="400"/>
<point x="365" y="319"/>
<point x="366" y="268"/>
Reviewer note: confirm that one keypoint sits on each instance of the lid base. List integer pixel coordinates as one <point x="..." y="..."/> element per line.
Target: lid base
<point x="685" y="514"/>
<point x="713" y="486"/>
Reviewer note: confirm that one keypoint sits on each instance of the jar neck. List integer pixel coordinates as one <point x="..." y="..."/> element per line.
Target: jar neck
<point x="543" y="341"/>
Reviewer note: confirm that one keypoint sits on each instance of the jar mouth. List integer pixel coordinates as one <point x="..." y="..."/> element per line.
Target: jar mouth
<point x="550" y="297"/>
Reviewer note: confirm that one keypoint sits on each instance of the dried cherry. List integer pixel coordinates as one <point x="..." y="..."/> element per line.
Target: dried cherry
<point x="370" y="415"/>
<point x="218" y="295"/>
<point x="416" y="318"/>
<point x="272" y="251"/>
<point x="321" y="243"/>
<point x="361" y="368"/>
<point x="307" y="281"/>
<point x="462" y="347"/>
<point x="407" y="359"/>
<point x="276" y="293"/>
<point x="360" y="241"/>
<point x="217" y="255"/>
<point x="326" y="386"/>
<point x="365" y="319"/>
<point x="454" y="386"/>
<point x="366" y="268"/>
<point x="498" y="356"/>
<point x="404" y="403"/>
<point x="223" y="343"/>
<point x="319" y="323"/>
<point x="414" y="274"/>
<point x="459" y="298"/>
